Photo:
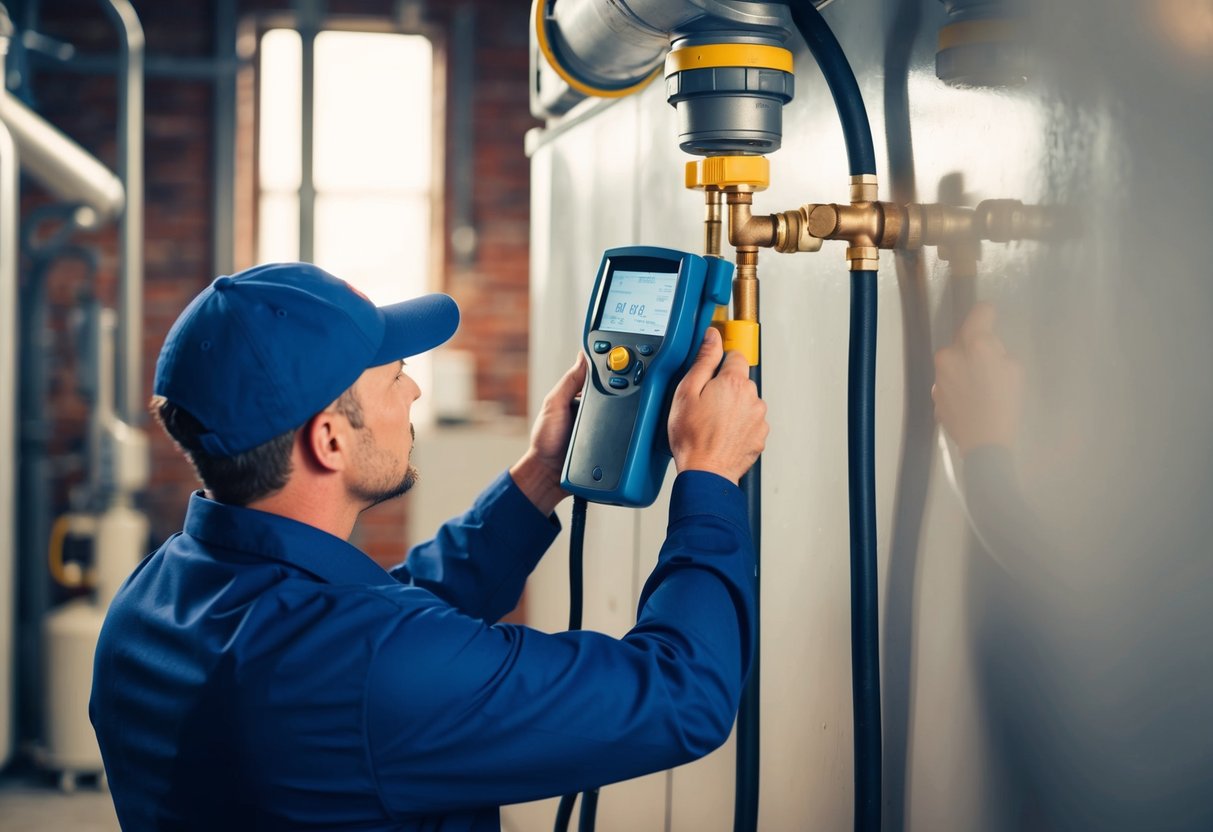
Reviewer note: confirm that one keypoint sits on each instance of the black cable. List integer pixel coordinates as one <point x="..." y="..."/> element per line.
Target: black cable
<point x="856" y="129"/>
<point x="865" y="632"/>
<point x="576" y="562"/>
<point x="589" y="811"/>
<point x="861" y="407"/>
<point x="745" y="793"/>
<point x="564" y="813"/>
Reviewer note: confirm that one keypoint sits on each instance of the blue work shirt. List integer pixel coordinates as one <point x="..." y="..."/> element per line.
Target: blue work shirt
<point x="258" y="673"/>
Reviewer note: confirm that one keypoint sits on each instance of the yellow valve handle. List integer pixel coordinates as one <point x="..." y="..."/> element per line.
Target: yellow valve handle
<point x="721" y="172"/>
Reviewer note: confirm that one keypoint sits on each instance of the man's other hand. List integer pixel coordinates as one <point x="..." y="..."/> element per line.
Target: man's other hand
<point x="538" y="472"/>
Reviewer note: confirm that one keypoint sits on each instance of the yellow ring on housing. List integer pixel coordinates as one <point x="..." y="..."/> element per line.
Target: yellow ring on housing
<point x="756" y="55"/>
<point x="545" y="46"/>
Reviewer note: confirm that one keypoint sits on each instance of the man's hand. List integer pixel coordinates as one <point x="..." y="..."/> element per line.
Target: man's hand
<point x="717" y="422"/>
<point x="538" y="472"/>
<point x="978" y="388"/>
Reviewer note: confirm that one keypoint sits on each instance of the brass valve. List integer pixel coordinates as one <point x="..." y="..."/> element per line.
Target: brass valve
<point x="885" y="225"/>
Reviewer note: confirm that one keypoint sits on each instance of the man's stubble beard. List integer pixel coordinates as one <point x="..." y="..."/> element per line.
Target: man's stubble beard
<point x="379" y="492"/>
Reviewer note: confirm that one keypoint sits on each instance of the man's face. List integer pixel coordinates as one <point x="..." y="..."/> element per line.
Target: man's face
<point x="385" y="442"/>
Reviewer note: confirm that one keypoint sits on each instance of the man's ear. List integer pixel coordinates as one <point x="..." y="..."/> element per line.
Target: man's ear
<point x="326" y="440"/>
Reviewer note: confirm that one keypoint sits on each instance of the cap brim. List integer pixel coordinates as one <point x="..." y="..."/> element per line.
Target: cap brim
<point x="417" y="325"/>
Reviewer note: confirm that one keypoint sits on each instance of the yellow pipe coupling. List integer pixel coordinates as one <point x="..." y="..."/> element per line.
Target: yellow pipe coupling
<point x="741" y="336"/>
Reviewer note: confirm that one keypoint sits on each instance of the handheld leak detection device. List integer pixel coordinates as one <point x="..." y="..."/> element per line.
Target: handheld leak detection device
<point x="648" y="313"/>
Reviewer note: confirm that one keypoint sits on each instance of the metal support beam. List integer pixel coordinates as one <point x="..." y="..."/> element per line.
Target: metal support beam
<point x="223" y="173"/>
<point x="130" y="171"/>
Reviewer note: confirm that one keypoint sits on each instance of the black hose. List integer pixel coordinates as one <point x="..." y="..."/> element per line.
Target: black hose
<point x="564" y="812"/>
<point x="865" y="632"/>
<point x="856" y="129"/>
<point x="745" y="799"/>
<point x="589" y="811"/>
<point x="576" y="562"/>
<point x="861" y="409"/>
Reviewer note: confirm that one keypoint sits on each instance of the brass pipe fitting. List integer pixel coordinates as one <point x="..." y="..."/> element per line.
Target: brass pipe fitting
<point x="863" y="188"/>
<point x="745" y="284"/>
<point x="996" y="220"/>
<point x="867" y="226"/>
<point x="1004" y="220"/>
<point x="792" y="232"/>
<point x="745" y="229"/>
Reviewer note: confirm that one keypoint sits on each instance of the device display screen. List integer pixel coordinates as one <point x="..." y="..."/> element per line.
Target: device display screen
<point x="638" y="302"/>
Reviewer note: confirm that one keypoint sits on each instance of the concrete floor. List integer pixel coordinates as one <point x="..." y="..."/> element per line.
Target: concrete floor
<point x="35" y="804"/>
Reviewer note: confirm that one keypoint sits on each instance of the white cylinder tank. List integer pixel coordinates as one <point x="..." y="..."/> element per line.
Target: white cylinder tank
<point x="71" y="632"/>
<point x="71" y="639"/>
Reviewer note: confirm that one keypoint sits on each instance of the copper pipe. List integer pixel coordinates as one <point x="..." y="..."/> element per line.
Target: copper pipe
<point x="745" y="284"/>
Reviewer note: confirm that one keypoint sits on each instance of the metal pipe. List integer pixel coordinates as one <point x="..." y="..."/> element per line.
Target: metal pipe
<point x="310" y="15"/>
<point x="223" y="181"/>
<point x="154" y="66"/>
<point x="611" y="46"/>
<point x="130" y="169"/>
<point x="61" y="166"/>
<point x="9" y="219"/>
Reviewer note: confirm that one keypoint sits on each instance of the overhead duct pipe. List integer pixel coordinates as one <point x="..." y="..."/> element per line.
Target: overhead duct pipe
<point x="61" y="166"/>
<point x="130" y="403"/>
<point x="728" y="72"/>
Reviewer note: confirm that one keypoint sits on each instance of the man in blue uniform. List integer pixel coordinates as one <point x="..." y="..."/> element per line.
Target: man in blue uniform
<point x="259" y="672"/>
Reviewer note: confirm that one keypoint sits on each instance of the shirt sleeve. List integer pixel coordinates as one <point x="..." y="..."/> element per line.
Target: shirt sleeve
<point x="479" y="561"/>
<point x="462" y="714"/>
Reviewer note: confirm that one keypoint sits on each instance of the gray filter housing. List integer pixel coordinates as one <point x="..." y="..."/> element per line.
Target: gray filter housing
<point x="730" y="109"/>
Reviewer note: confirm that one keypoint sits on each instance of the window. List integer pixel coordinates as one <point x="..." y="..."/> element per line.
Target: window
<point x="373" y="160"/>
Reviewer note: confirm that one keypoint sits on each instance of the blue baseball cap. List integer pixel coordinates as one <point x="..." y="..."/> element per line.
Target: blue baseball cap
<point x="260" y="352"/>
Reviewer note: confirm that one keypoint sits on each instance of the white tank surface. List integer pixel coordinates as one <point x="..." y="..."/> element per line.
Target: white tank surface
<point x="71" y="639"/>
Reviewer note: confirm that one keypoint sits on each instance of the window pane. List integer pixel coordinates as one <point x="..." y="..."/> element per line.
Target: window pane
<point x="373" y="111"/>
<point x="281" y="109"/>
<point x="378" y="243"/>
<point x="278" y="232"/>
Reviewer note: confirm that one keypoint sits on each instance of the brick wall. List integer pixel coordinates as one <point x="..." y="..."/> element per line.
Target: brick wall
<point x="491" y="289"/>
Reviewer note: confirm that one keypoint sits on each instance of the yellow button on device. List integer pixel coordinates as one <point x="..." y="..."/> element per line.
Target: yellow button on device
<point x="619" y="359"/>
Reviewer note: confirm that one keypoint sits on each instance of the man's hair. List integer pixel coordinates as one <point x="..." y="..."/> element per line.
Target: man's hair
<point x="245" y="477"/>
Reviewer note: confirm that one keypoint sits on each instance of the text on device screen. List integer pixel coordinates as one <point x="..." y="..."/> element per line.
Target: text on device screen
<point x="639" y="302"/>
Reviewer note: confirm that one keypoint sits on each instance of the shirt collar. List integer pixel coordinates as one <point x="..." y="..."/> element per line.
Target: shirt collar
<point x="282" y="539"/>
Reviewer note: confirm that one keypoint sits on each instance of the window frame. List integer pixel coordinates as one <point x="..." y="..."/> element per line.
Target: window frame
<point x="248" y="128"/>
